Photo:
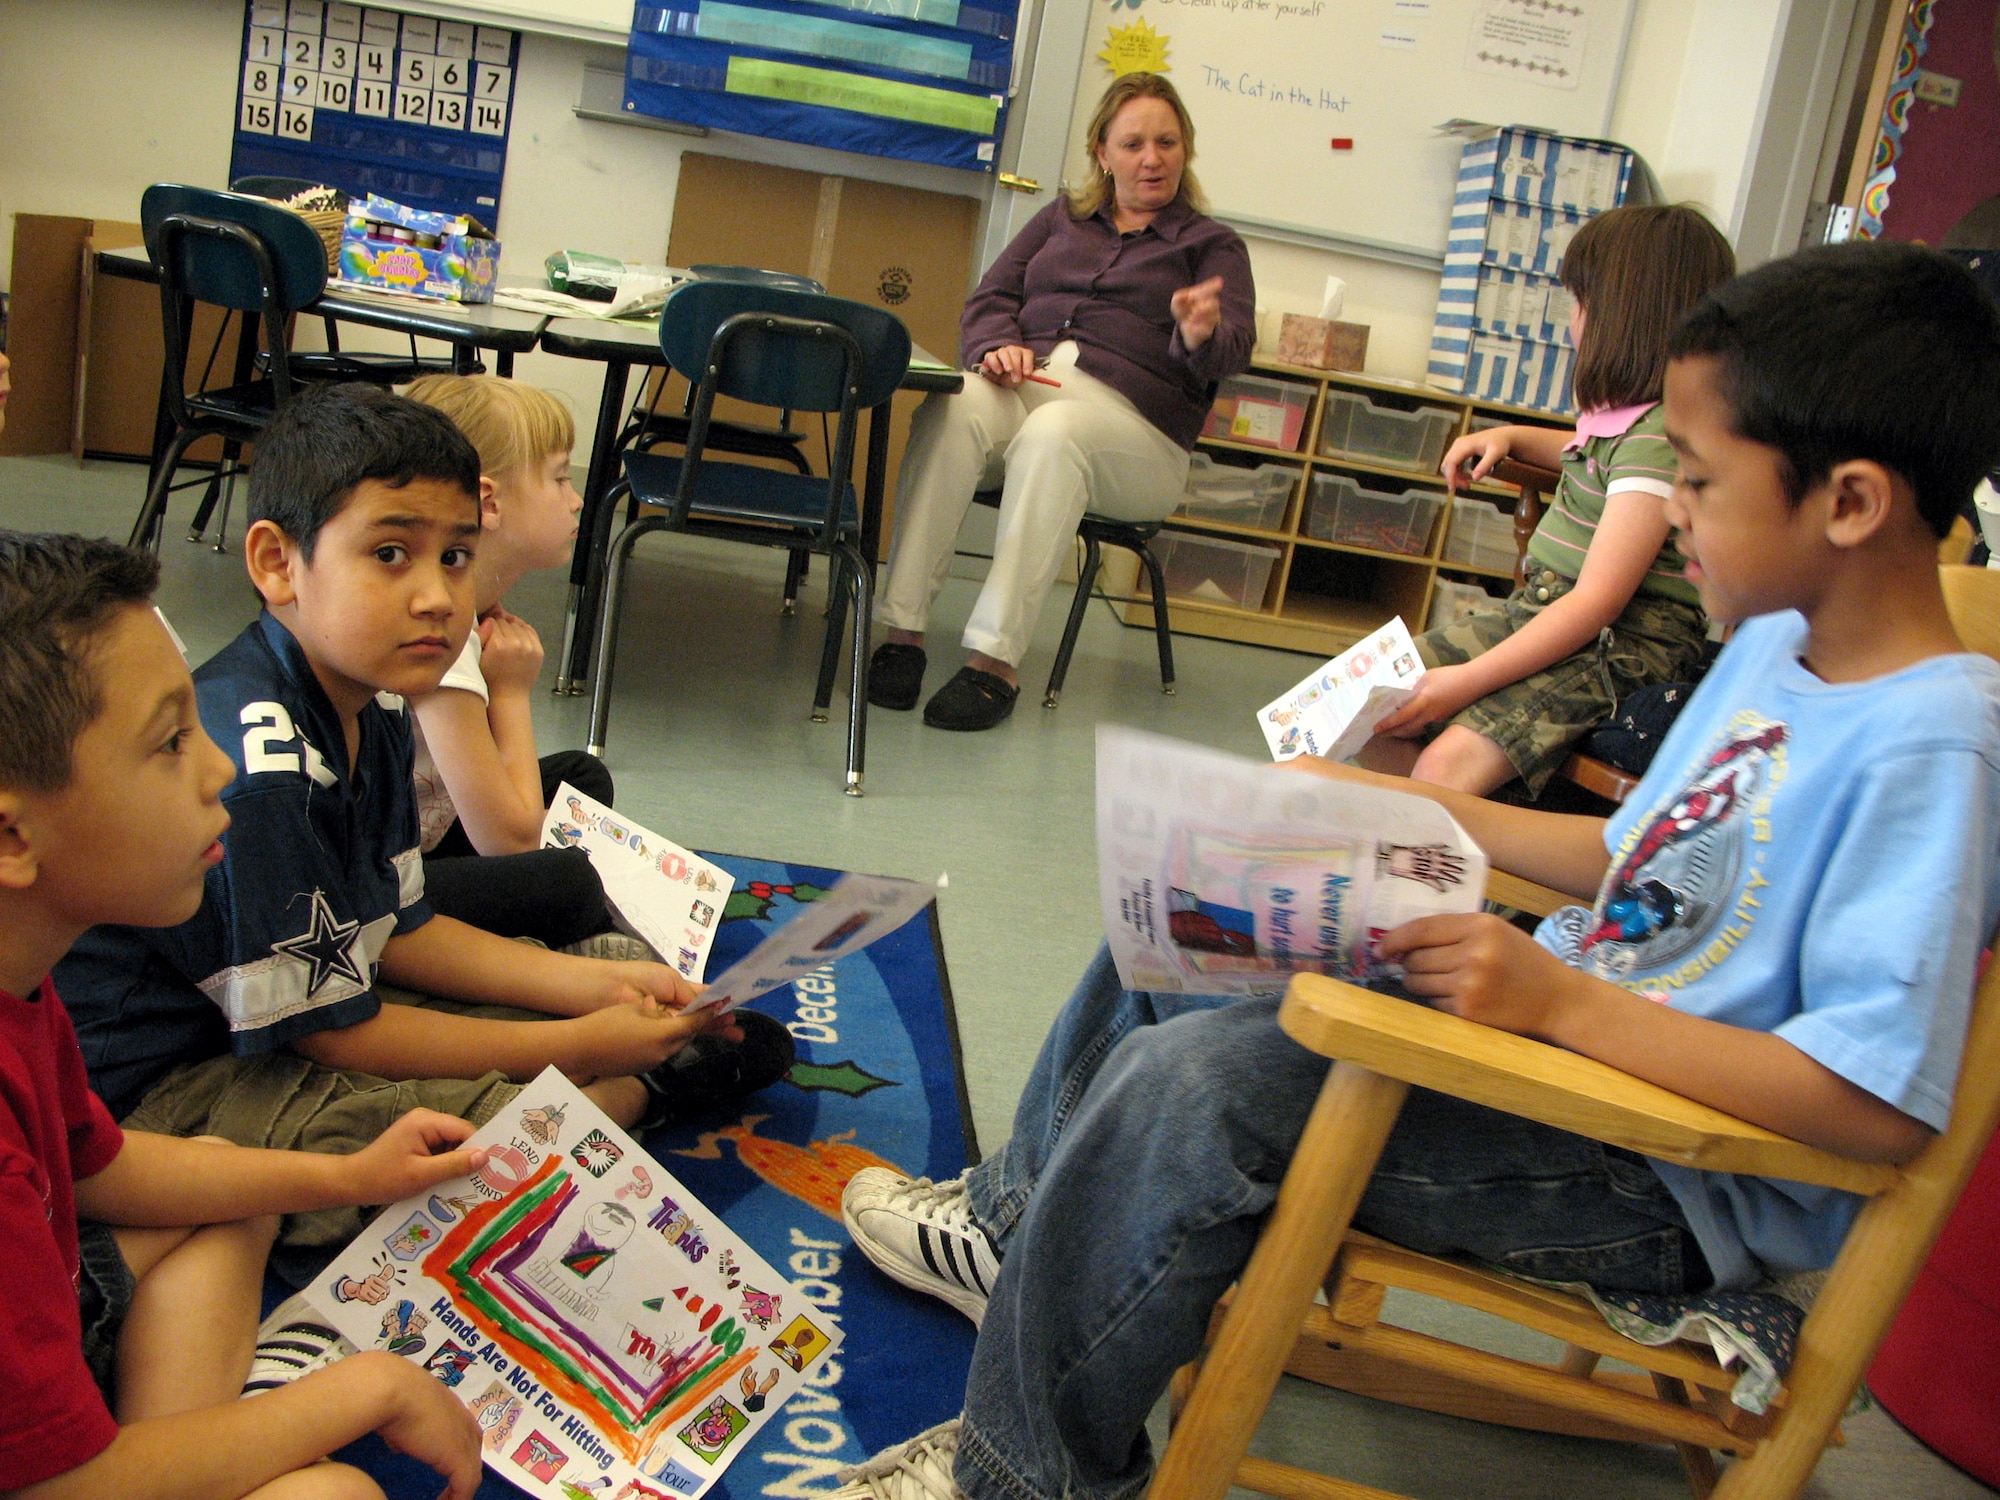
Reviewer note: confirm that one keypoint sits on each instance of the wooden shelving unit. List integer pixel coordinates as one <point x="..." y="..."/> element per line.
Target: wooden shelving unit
<point x="1323" y="596"/>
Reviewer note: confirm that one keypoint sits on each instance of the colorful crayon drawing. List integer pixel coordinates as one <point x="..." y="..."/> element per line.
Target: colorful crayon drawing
<point x="800" y="1344"/>
<point x="540" y="1457"/>
<point x="450" y="1363"/>
<point x="636" y="1491"/>
<point x="596" y="1153"/>
<point x="710" y="1433"/>
<point x="814" y="1173"/>
<point x="640" y="1186"/>
<point x="496" y="1409"/>
<point x="535" y="1274"/>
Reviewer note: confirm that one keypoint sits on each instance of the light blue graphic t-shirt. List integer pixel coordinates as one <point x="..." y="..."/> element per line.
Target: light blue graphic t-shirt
<point x="1817" y="860"/>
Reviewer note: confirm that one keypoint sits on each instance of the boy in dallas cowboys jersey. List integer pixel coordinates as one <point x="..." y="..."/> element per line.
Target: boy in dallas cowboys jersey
<point x="258" y="1019"/>
<point x="1788" y="920"/>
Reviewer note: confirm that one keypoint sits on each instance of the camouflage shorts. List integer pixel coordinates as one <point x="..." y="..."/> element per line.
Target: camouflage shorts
<point x="1535" y="721"/>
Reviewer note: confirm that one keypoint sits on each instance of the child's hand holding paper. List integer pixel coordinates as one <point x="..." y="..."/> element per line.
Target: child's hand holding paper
<point x="1439" y="693"/>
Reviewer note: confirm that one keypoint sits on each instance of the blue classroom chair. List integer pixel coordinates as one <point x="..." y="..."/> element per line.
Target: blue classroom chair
<point x="777" y="347"/>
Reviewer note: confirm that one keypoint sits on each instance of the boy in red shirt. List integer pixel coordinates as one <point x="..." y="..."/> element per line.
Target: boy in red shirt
<point x="130" y="1264"/>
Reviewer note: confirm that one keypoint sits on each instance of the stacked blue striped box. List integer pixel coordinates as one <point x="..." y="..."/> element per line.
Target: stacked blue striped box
<point x="1502" y="330"/>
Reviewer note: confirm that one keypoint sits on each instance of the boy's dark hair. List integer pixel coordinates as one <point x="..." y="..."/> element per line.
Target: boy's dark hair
<point x="1880" y="351"/>
<point x="1635" y="271"/>
<point x="57" y="595"/>
<point x="329" y="438"/>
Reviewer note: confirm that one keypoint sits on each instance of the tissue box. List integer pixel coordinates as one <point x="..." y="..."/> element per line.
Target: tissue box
<point x="1322" y="344"/>
<point x="399" y="249"/>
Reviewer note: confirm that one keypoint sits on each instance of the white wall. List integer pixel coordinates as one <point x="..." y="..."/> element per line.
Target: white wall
<point x="99" y="98"/>
<point x="1689" y="101"/>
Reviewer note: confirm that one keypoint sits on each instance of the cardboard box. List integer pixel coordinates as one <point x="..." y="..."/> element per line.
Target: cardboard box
<point x="1322" y="344"/>
<point x="410" y="250"/>
<point x="1522" y="305"/>
<point x="1521" y="372"/>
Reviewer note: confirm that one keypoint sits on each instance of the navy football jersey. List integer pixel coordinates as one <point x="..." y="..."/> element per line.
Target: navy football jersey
<point x="321" y="869"/>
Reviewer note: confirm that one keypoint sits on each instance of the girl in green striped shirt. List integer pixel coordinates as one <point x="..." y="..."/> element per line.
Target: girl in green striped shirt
<point x="1604" y="609"/>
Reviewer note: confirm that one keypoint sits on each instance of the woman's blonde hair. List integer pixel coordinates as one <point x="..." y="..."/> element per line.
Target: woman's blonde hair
<point x="511" y="424"/>
<point x="1095" y="191"/>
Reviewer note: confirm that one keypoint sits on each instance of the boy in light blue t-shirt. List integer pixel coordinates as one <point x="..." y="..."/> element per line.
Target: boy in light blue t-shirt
<point x="1788" y="918"/>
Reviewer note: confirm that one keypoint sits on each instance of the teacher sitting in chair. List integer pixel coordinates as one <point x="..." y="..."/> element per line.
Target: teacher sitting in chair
<point x="1100" y="333"/>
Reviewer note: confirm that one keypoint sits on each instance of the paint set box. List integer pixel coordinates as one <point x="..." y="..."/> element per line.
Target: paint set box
<point x="401" y="249"/>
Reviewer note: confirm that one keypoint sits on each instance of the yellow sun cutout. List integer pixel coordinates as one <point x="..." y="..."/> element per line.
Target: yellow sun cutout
<point x="1134" y="49"/>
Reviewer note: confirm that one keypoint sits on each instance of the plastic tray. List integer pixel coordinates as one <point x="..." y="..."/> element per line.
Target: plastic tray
<point x="1251" y="409"/>
<point x="1243" y="497"/>
<point x="1342" y="511"/>
<point x="1413" y="440"/>
<point x="1214" y="569"/>
<point x="1480" y="536"/>
<point x="1452" y="602"/>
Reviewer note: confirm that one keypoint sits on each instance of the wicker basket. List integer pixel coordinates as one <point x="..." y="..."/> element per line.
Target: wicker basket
<point x="328" y="224"/>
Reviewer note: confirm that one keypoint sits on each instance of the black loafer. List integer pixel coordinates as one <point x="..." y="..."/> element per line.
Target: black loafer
<point x="712" y="1073"/>
<point x="895" y="675"/>
<point x="971" y="700"/>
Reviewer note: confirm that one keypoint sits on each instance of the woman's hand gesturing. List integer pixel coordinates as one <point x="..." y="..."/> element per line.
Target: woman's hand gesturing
<point x="1198" y="309"/>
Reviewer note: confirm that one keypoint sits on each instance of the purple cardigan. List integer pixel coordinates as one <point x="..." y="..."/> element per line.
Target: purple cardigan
<point x="1063" y="278"/>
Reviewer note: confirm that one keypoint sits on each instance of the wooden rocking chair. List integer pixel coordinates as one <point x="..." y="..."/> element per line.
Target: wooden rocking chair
<point x="1382" y="1046"/>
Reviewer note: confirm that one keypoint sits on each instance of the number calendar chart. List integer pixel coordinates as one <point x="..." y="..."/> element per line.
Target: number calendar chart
<point x="373" y="101"/>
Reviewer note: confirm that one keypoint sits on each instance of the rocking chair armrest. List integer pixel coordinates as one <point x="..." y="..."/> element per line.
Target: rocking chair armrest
<point x="1524" y="895"/>
<point x="1524" y="475"/>
<point x="1432" y="1049"/>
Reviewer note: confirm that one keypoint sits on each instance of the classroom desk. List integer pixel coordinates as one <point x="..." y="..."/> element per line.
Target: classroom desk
<point x="618" y="346"/>
<point x="467" y="329"/>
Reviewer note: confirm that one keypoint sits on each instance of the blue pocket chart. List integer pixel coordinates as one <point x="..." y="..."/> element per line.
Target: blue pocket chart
<point x="924" y="80"/>
<point x="373" y="101"/>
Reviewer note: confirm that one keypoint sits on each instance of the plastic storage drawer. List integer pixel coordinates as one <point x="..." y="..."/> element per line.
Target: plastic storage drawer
<point x="1480" y="537"/>
<point x="1215" y="569"/>
<point x="1452" y="602"/>
<point x="1251" y="409"/>
<point x="1342" y="511"/>
<point x="1242" y="497"/>
<point x="1413" y="440"/>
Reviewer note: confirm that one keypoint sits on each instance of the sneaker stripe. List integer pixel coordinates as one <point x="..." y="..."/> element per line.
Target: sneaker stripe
<point x="950" y="1259"/>
<point x="930" y="1255"/>
<point x="972" y="1265"/>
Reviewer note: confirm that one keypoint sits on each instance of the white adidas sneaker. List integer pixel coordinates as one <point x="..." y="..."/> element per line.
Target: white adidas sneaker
<point x="917" y="1470"/>
<point x="922" y="1234"/>
<point x="295" y="1340"/>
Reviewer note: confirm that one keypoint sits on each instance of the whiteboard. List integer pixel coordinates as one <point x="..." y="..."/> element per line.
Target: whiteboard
<point x="1272" y="85"/>
<point x="589" y="20"/>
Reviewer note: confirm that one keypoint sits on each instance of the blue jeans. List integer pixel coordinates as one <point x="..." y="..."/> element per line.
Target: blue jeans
<point x="1147" y="1149"/>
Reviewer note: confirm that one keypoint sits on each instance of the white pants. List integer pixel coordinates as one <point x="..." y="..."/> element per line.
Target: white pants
<point x="1055" y="453"/>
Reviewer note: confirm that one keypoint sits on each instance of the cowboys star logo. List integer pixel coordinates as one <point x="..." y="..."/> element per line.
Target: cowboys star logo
<point x="325" y="947"/>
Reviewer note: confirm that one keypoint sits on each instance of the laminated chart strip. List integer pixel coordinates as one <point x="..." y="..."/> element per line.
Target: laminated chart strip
<point x="369" y="100"/>
<point x="924" y="80"/>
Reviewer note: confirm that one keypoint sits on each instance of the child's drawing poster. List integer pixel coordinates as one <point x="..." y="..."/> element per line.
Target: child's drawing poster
<point x="663" y="893"/>
<point x="611" y="1336"/>
<point x="1334" y="711"/>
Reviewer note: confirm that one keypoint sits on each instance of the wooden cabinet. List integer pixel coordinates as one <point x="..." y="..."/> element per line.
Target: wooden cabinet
<point x="1324" y="592"/>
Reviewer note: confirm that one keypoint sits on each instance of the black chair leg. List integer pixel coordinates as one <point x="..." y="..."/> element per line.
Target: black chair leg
<point x="1162" y="627"/>
<point x="210" y="498"/>
<point x="1086" y="578"/>
<point x="587" y="599"/>
<point x="146" y="530"/>
<point x="829" y="650"/>
<point x="862" y="580"/>
<point x="797" y="565"/>
<point x="607" y="628"/>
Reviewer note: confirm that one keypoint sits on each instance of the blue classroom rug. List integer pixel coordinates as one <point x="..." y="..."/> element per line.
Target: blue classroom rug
<point x="877" y="1082"/>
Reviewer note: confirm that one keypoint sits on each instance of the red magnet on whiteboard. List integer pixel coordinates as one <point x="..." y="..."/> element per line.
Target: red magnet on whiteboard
<point x="1343" y="143"/>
